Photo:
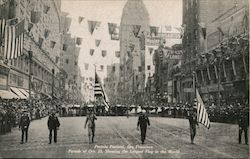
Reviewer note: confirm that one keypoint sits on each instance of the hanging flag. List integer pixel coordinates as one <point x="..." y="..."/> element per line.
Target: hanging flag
<point x="46" y="33"/>
<point x="202" y="115"/>
<point x="93" y="25"/>
<point x="104" y="53"/>
<point x="80" y="19"/>
<point x="132" y="47"/>
<point x="86" y="65"/>
<point x="35" y="16"/>
<point x="99" y="91"/>
<point x="150" y="50"/>
<point x="40" y="42"/>
<point x="78" y="40"/>
<point x="52" y="44"/>
<point x="111" y="27"/>
<point x="154" y="30"/>
<point x="97" y="42"/>
<point x="30" y="26"/>
<point x="91" y="52"/>
<point x="117" y="54"/>
<point x="115" y="34"/>
<point x="13" y="42"/>
<point x="203" y="29"/>
<point x="2" y="31"/>
<point x="168" y="27"/>
<point x="136" y="30"/>
<point x="46" y="9"/>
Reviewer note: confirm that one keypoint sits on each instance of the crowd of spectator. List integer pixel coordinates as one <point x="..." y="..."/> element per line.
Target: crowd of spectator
<point x="12" y="109"/>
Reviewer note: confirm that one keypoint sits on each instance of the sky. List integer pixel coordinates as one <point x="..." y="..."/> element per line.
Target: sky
<point x="161" y="12"/>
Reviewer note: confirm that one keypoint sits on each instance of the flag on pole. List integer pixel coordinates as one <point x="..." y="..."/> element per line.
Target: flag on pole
<point x="99" y="91"/>
<point x="13" y="41"/>
<point x="202" y="115"/>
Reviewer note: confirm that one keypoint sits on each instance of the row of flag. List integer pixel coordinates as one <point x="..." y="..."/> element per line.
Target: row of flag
<point x="103" y="53"/>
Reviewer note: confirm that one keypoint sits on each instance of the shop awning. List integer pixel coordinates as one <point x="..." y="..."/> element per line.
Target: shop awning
<point x="24" y="92"/>
<point x="4" y="94"/>
<point x="17" y="92"/>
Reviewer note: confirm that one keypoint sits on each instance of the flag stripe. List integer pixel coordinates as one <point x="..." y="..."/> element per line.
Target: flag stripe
<point x="201" y="111"/>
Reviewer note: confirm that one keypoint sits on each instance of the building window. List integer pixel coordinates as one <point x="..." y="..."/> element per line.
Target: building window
<point x="139" y="69"/>
<point x="64" y="47"/>
<point x="148" y="67"/>
<point x="75" y="63"/>
<point x="67" y="61"/>
<point x="113" y="68"/>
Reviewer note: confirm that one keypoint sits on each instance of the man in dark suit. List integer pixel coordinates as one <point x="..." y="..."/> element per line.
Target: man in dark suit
<point x="90" y="120"/>
<point x="24" y="125"/>
<point x="192" y="117"/>
<point x="143" y="122"/>
<point x="53" y="125"/>
<point x="243" y="123"/>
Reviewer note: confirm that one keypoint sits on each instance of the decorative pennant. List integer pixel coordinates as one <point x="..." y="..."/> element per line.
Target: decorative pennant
<point x="52" y="44"/>
<point x="46" y="9"/>
<point x="80" y="19"/>
<point x="104" y="53"/>
<point x="46" y="33"/>
<point x="154" y="30"/>
<point x="97" y="42"/>
<point x="93" y="25"/>
<point x="150" y="50"/>
<point x="86" y="65"/>
<point x="111" y="27"/>
<point x="78" y="41"/>
<point x="136" y="30"/>
<point x="91" y="52"/>
<point x="117" y="54"/>
<point x="115" y="34"/>
<point x="35" y="16"/>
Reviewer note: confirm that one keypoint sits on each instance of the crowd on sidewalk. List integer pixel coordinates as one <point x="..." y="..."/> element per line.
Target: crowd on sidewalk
<point x="11" y="110"/>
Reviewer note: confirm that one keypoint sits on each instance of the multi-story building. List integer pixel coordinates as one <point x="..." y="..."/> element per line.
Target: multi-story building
<point x="132" y="49"/>
<point x="42" y="38"/>
<point x="215" y="45"/>
<point x="111" y="83"/>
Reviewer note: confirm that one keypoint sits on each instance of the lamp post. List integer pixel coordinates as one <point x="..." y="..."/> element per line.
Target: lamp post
<point x="30" y="53"/>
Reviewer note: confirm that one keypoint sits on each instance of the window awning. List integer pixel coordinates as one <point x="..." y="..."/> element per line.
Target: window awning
<point x="4" y="94"/>
<point x="24" y="92"/>
<point x="17" y="92"/>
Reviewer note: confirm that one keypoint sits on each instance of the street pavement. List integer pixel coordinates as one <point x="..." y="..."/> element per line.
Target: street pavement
<point x="117" y="137"/>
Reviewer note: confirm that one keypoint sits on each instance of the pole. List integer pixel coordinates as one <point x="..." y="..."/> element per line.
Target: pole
<point x="53" y="82"/>
<point x="219" y="82"/>
<point x="194" y="86"/>
<point x="30" y="72"/>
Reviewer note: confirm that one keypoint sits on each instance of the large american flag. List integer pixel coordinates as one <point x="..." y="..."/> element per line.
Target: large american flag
<point x="202" y="115"/>
<point x="99" y="91"/>
<point x="13" y="40"/>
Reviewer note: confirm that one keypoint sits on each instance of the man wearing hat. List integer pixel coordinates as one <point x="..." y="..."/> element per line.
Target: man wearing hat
<point x="24" y="125"/>
<point x="143" y="122"/>
<point x="90" y="120"/>
<point x="192" y="117"/>
<point x="53" y="125"/>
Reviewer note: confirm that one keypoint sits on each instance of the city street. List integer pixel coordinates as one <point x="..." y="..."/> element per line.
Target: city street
<point x="118" y="137"/>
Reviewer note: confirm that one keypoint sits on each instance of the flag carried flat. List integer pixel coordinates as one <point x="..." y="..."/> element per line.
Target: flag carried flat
<point x="202" y="115"/>
<point x="99" y="91"/>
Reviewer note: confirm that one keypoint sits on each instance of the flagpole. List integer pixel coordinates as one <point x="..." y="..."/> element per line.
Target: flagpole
<point x="194" y="85"/>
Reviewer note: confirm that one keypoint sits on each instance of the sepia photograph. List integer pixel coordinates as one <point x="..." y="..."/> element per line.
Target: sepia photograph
<point x="124" y="79"/>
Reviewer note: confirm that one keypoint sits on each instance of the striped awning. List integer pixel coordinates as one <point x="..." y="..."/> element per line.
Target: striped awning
<point x="18" y="93"/>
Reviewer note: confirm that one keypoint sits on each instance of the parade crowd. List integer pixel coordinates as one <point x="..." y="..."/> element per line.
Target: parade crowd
<point x="12" y="109"/>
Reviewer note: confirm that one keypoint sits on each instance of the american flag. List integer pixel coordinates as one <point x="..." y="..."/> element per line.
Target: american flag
<point x="99" y="91"/>
<point x="202" y="116"/>
<point x="13" y="40"/>
<point x="2" y="30"/>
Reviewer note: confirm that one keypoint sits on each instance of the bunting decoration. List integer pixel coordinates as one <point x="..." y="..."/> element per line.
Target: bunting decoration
<point x="52" y="44"/>
<point x="97" y="43"/>
<point x="30" y="26"/>
<point x="93" y="25"/>
<point x="117" y="54"/>
<point x="132" y="47"/>
<point x="80" y="19"/>
<point x="78" y="41"/>
<point x="203" y="29"/>
<point x="154" y="30"/>
<point x="104" y="53"/>
<point x="13" y="40"/>
<point x="46" y="9"/>
<point x="136" y="30"/>
<point x="46" y="33"/>
<point x="91" y="52"/>
<point x="86" y="66"/>
<point x="40" y="42"/>
<point x="150" y="50"/>
<point x="111" y="27"/>
<point x="115" y="34"/>
<point x="168" y="27"/>
<point x="35" y="16"/>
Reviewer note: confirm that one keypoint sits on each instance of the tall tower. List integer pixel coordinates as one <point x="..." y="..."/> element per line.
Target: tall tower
<point x="132" y="53"/>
